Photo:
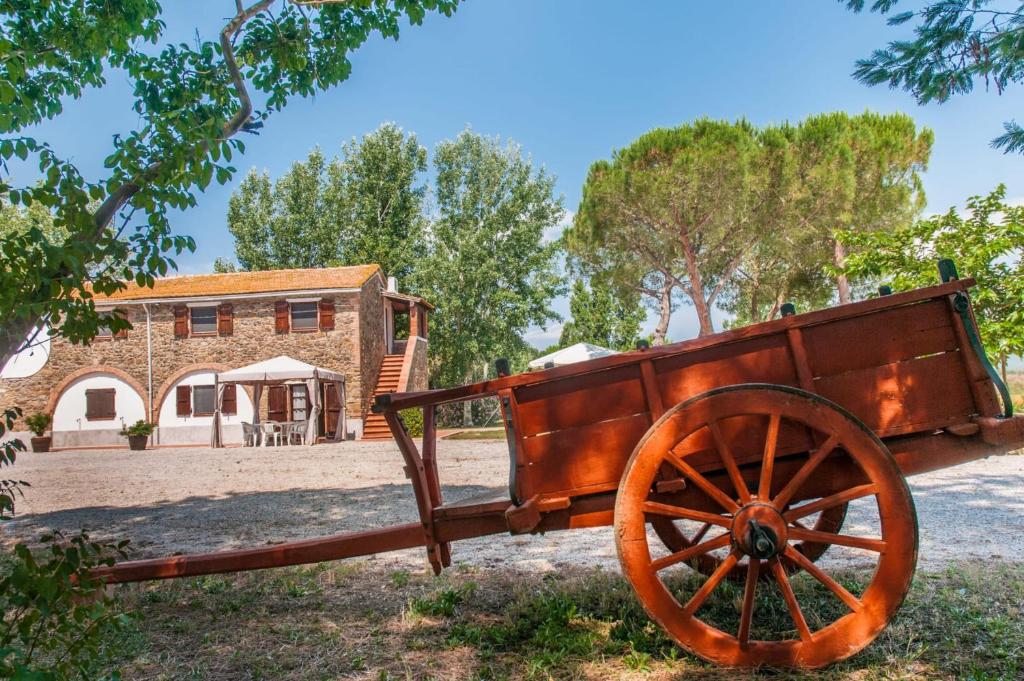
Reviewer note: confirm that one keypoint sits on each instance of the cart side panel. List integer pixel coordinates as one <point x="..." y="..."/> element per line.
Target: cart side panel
<point x="899" y="370"/>
<point x="576" y="433"/>
<point x="905" y="397"/>
<point x="764" y="359"/>
<point x="879" y="339"/>
<point x="580" y="401"/>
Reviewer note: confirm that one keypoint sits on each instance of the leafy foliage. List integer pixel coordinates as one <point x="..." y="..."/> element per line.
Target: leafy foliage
<point x="190" y="101"/>
<point x="364" y="207"/>
<point x="602" y="317"/>
<point x="413" y="420"/>
<point x="140" y="427"/>
<point x="956" y="45"/>
<point x="675" y="212"/>
<point x="986" y="242"/>
<point x="56" y="616"/>
<point x="488" y="270"/>
<point x="741" y="217"/>
<point x="37" y="423"/>
<point x="9" y="448"/>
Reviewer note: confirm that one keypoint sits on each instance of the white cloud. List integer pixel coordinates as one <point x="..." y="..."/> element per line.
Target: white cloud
<point x="552" y="233"/>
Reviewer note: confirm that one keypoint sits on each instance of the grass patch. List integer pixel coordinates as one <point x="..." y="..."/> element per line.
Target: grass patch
<point x="478" y="434"/>
<point x="353" y="620"/>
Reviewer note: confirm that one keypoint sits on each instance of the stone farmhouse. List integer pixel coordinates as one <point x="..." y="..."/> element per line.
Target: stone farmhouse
<point x="187" y="328"/>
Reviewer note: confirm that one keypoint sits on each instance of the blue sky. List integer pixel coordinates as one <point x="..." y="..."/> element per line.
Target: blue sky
<point x="570" y="80"/>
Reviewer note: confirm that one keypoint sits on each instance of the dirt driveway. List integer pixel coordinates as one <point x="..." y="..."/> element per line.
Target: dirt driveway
<point x="186" y="500"/>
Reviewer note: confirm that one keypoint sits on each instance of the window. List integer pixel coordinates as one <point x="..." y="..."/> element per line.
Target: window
<point x="299" y="402"/>
<point x="99" y="404"/>
<point x="202" y="400"/>
<point x="304" y="317"/>
<point x="204" y="320"/>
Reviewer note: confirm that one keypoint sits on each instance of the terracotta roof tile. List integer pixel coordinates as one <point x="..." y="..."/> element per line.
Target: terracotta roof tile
<point x="248" y="282"/>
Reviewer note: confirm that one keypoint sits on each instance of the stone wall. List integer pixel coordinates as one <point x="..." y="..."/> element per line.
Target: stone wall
<point x="418" y="370"/>
<point x="253" y="340"/>
<point x="372" y="344"/>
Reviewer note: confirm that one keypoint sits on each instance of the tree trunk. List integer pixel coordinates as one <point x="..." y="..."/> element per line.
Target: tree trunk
<point x="696" y="292"/>
<point x="664" y="313"/>
<point x="842" y="281"/>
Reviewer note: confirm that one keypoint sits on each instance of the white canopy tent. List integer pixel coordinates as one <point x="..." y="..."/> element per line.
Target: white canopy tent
<point x="580" y="352"/>
<point x="279" y="371"/>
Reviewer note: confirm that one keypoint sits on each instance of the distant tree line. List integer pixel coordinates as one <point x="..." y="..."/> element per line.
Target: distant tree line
<point x="471" y="242"/>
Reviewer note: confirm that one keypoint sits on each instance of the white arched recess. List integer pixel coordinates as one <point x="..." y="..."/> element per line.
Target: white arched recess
<point x="195" y="430"/>
<point x="70" y="426"/>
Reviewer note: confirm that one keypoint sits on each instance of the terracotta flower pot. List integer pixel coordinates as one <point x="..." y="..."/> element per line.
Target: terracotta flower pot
<point x="137" y="442"/>
<point x="41" y="443"/>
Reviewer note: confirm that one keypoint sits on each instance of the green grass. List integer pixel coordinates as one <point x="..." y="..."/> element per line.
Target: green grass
<point x="354" y="620"/>
<point x="478" y="434"/>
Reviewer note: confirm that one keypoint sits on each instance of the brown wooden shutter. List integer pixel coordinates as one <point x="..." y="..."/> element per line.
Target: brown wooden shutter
<point x="229" y="402"/>
<point x="180" y="321"/>
<point x="225" y="320"/>
<point x="99" y="404"/>
<point x="184" y="398"/>
<point x="327" y="315"/>
<point x="281" y="316"/>
<point x="277" y="403"/>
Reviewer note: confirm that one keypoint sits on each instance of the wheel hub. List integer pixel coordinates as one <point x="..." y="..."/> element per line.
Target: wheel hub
<point x="759" y="530"/>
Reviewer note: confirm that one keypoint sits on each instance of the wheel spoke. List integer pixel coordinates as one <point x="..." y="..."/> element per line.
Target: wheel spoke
<point x="703" y="483"/>
<point x="835" y="587"/>
<point x="783" y="497"/>
<point x="790" y="598"/>
<point x="691" y="552"/>
<point x="709" y="585"/>
<point x="749" y="591"/>
<point x="764" y="489"/>
<point x="876" y="545"/>
<point x="700" y="533"/>
<point x="686" y="514"/>
<point x="730" y="462"/>
<point x="828" y="502"/>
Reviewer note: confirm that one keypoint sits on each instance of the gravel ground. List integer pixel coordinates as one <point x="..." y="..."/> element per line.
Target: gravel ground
<point x="170" y="501"/>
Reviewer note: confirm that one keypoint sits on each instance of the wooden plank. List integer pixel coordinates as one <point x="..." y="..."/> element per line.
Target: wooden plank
<point x="592" y="455"/>
<point x="291" y="553"/>
<point x="904" y="397"/>
<point x="652" y="390"/>
<point x="882" y="338"/>
<point x="571" y="403"/>
<point x="760" y="360"/>
<point x="801" y="363"/>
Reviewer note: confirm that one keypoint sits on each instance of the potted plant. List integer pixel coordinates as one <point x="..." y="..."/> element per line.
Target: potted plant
<point x="138" y="434"/>
<point x="37" y="423"/>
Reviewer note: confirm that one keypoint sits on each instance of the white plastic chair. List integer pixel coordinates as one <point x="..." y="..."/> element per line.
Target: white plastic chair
<point x="271" y="433"/>
<point x="250" y="435"/>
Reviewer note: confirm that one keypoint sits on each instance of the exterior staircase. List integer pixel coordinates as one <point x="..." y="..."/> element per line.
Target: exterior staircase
<point x="375" y="427"/>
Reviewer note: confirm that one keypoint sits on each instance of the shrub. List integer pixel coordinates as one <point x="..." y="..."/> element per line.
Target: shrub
<point x="140" y="427"/>
<point x="413" y="419"/>
<point x="38" y="423"/>
<point x="56" y="615"/>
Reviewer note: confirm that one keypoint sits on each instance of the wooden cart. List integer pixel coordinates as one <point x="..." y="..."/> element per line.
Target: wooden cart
<point x="735" y="454"/>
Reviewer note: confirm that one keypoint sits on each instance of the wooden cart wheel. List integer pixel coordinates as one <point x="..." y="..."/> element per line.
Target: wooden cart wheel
<point x="676" y="538"/>
<point x="752" y="528"/>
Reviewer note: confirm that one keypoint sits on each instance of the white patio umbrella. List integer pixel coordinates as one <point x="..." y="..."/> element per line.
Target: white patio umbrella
<point x="580" y="352"/>
<point x="277" y="371"/>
